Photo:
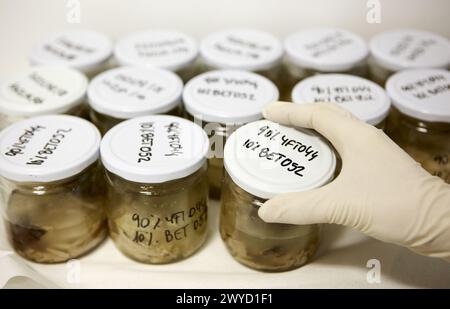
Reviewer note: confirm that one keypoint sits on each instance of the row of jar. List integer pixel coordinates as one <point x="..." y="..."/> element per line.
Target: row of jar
<point x="310" y="51"/>
<point x="63" y="188"/>
<point x="222" y="100"/>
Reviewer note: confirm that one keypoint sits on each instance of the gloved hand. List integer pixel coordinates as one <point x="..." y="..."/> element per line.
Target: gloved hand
<point x="380" y="191"/>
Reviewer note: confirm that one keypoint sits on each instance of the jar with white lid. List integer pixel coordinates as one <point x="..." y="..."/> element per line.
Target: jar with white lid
<point x="41" y="91"/>
<point x="157" y="187"/>
<point x="52" y="187"/>
<point x="128" y="92"/>
<point x="221" y="101"/>
<point x="243" y="49"/>
<point x="324" y="50"/>
<point x="420" y="118"/>
<point x="83" y="50"/>
<point x="363" y="98"/>
<point x="397" y="50"/>
<point x="163" y="49"/>
<point x="264" y="159"/>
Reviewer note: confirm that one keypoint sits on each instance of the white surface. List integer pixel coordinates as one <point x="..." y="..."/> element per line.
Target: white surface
<point x="410" y="49"/>
<point x="42" y="90"/>
<point x="326" y="49"/>
<point x="128" y="92"/>
<point x="164" y="49"/>
<point x="84" y="50"/>
<point x="340" y="263"/>
<point x="365" y="99"/>
<point x="243" y="49"/>
<point x="47" y="148"/>
<point x="154" y="149"/>
<point x="421" y="93"/>
<point x="252" y="159"/>
<point x="228" y="96"/>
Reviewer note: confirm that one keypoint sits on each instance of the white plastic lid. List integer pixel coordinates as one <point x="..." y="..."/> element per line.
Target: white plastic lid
<point x="267" y="159"/>
<point x="421" y="93"/>
<point x="365" y="99"/>
<point x="165" y="49"/>
<point x="47" y="148"/>
<point x="84" y="50"/>
<point x="408" y="49"/>
<point x="243" y="49"/>
<point x="154" y="149"/>
<point x="129" y="92"/>
<point x="42" y="90"/>
<point x="326" y="49"/>
<point x="228" y="96"/>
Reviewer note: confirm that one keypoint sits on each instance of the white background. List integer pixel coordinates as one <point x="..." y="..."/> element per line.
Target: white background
<point x="342" y="259"/>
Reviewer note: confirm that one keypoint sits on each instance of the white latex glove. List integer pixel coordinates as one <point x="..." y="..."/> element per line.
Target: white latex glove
<point x="381" y="191"/>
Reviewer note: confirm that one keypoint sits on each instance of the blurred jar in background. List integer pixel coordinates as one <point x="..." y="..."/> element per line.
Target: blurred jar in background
<point x="420" y="117"/>
<point x="128" y="92"/>
<point x="41" y="91"/>
<point x="397" y="50"/>
<point x="363" y="98"/>
<point x="323" y="50"/>
<point x="84" y="50"/>
<point x="163" y="49"/>
<point x="243" y="49"/>
<point x="52" y="188"/>
<point x="222" y="101"/>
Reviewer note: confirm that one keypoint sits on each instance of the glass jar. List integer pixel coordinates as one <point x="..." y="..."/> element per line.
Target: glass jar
<point x="363" y="98"/>
<point x="323" y="50"/>
<point x="157" y="187"/>
<point x="398" y="50"/>
<point x="128" y="92"/>
<point x="84" y="50"/>
<point x="264" y="159"/>
<point x="220" y="101"/>
<point x="420" y="118"/>
<point x="41" y="91"/>
<point x="243" y="49"/>
<point x="52" y="189"/>
<point x="163" y="49"/>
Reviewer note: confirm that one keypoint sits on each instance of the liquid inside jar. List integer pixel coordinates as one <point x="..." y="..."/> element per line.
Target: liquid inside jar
<point x="260" y="245"/>
<point x="426" y="142"/>
<point x="158" y="223"/>
<point x="57" y="221"/>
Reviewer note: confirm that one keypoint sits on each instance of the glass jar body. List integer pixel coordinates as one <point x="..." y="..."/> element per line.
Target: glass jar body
<point x="259" y="245"/>
<point x="56" y="221"/>
<point x="158" y="223"/>
<point x="426" y="142"/>
<point x="378" y="73"/>
<point x="81" y="110"/>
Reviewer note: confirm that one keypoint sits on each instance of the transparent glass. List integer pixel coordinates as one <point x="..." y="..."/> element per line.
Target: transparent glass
<point x="56" y="221"/>
<point x="80" y="110"/>
<point x="158" y="223"/>
<point x="292" y="74"/>
<point x="270" y="247"/>
<point x="377" y="73"/>
<point x="105" y="122"/>
<point x="218" y="135"/>
<point x="427" y="142"/>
